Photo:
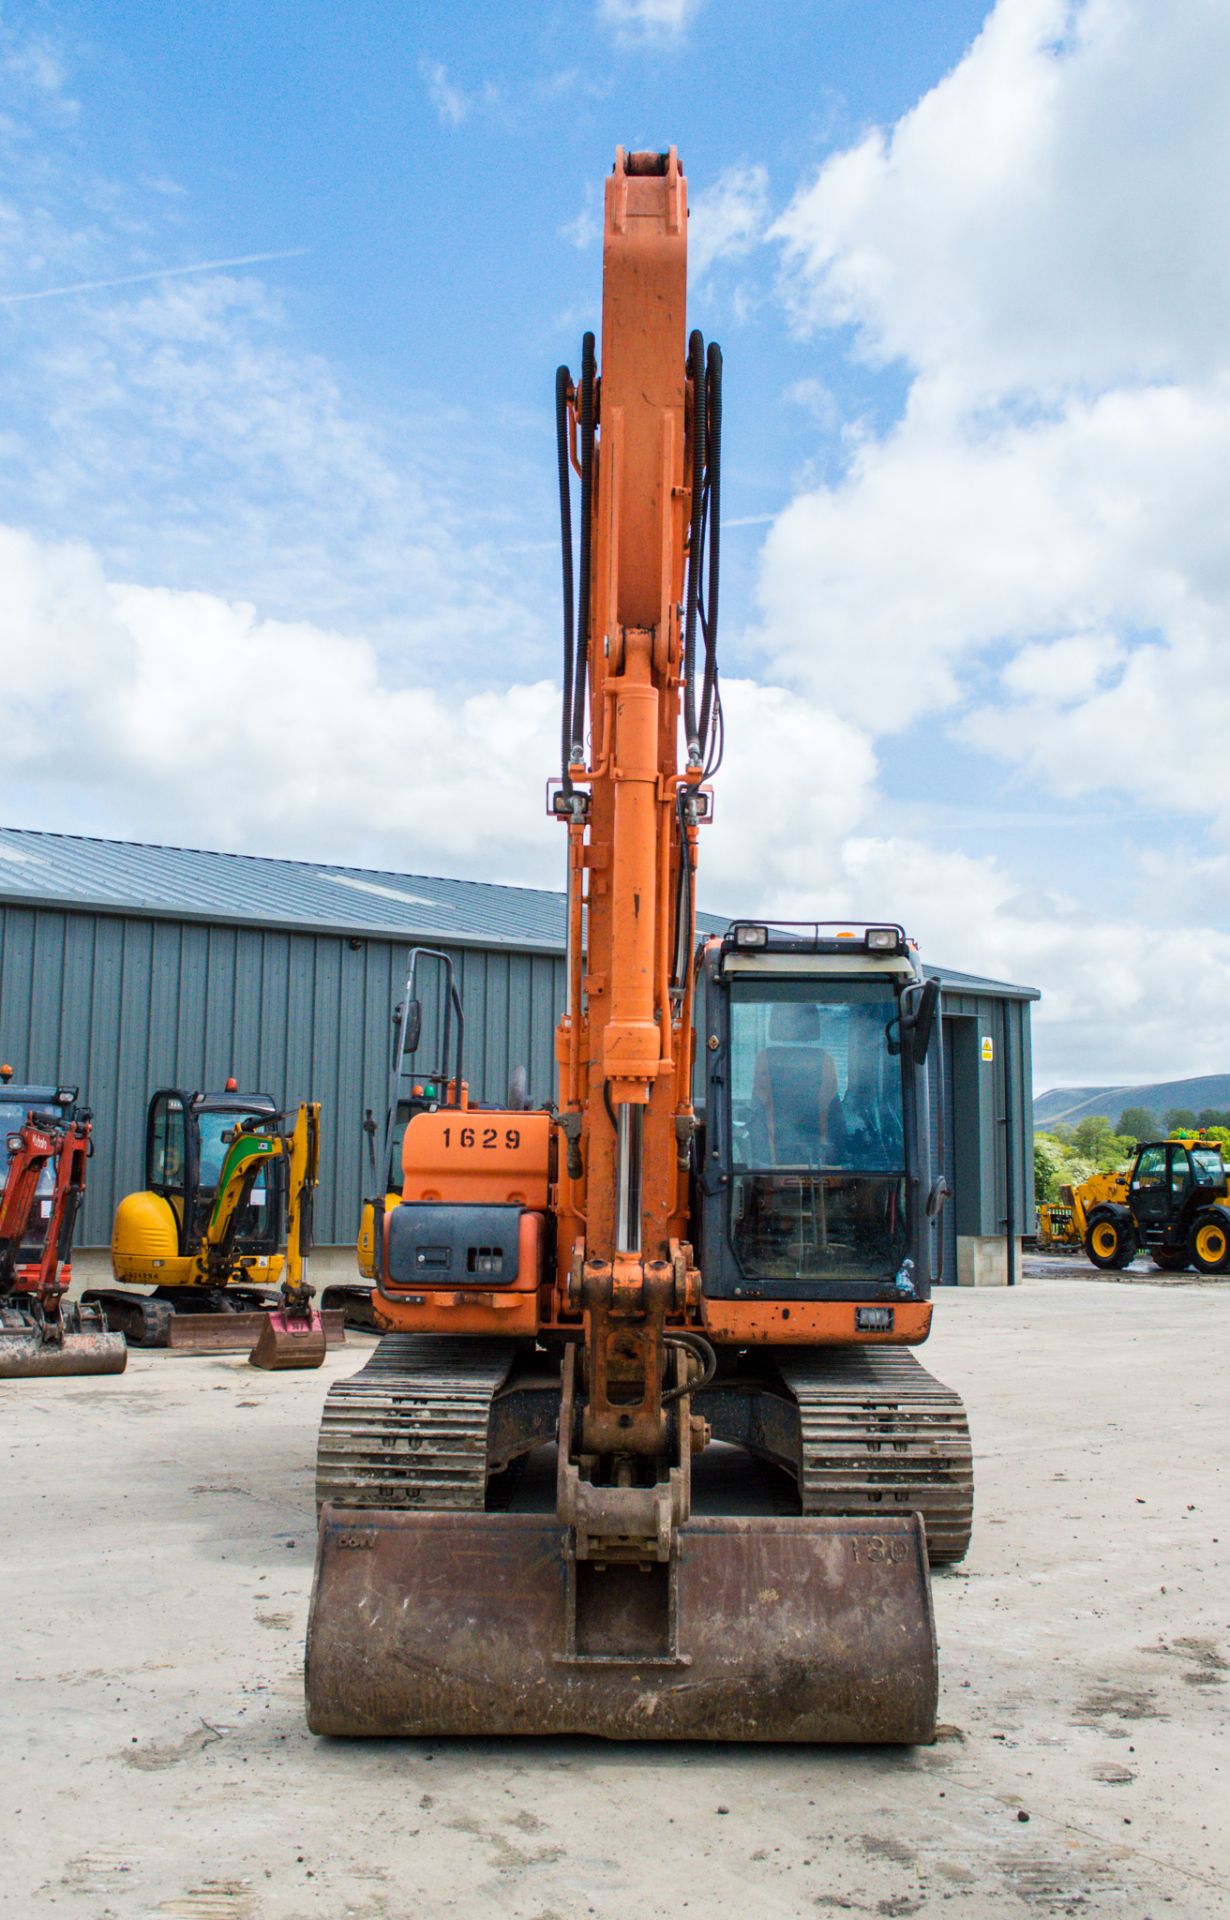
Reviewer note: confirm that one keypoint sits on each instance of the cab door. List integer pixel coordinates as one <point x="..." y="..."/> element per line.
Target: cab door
<point x="1180" y="1182"/>
<point x="166" y="1151"/>
<point x="1149" y="1192"/>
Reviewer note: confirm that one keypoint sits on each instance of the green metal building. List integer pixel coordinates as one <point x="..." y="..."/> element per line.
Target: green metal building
<point x="126" y="967"/>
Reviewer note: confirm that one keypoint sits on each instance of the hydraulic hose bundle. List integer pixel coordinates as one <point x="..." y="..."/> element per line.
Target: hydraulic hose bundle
<point x="703" y="724"/>
<point x="572" y="731"/>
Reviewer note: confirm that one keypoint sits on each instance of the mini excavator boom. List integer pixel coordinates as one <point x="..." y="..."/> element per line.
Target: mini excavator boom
<point x="705" y="1313"/>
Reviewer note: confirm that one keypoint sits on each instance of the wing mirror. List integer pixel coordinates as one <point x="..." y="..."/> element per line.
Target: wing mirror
<point x="412" y="1031"/>
<point x="918" y="1019"/>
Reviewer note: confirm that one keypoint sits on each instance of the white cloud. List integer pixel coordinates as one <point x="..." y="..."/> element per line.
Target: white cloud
<point x="586" y="227"/>
<point x="815" y="399"/>
<point x="451" y="105"/>
<point x="795" y="781"/>
<point x="727" y="219"/>
<point x="1035" y="547"/>
<point x="951" y="536"/>
<point x="308" y="721"/>
<point x="1061" y="464"/>
<point x="648" y="22"/>
<point x="234" y="731"/>
<point x="802" y="831"/>
<point x="1051" y="213"/>
<point x="1061" y="672"/>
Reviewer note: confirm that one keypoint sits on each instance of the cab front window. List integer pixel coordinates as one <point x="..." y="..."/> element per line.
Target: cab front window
<point x="817" y="1129"/>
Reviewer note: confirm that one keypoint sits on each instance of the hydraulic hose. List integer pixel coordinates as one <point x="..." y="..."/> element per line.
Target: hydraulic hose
<point x="713" y="522"/>
<point x="696" y="373"/>
<point x="697" y="1348"/>
<point x="683" y="902"/>
<point x="588" y="378"/>
<point x="563" y="389"/>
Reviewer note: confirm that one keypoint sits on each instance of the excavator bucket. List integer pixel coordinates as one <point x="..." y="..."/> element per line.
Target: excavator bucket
<point x="811" y="1629"/>
<point x="26" y="1355"/>
<point x="289" y="1340"/>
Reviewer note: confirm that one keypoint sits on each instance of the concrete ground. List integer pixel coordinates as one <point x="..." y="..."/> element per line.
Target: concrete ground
<point x="159" y="1530"/>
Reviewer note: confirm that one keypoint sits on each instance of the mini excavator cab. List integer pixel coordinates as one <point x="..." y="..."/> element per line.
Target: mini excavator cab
<point x="813" y="1173"/>
<point x="186" y="1138"/>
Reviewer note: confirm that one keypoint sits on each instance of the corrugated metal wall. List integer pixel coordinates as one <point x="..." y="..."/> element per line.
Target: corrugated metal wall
<point x="122" y="1005"/>
<point x="989" y="1117"/>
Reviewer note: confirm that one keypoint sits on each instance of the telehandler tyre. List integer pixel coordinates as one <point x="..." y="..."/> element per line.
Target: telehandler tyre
<point x="1110" y="1241"/>
<point x="1210" y="1242"/>
<point x="1171" y="1259"/>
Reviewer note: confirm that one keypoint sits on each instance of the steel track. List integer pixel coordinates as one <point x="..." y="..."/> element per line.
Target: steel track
<point x="880" y="1435"/>
<point x="409" y="1430"/>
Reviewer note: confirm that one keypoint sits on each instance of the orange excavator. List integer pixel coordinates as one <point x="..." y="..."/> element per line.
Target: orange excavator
<point x="645" y="1452"/>
<point x="43" y="1153"/>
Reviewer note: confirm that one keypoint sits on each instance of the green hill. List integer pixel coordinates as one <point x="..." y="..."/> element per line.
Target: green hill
<point x="1070" y="1104"/>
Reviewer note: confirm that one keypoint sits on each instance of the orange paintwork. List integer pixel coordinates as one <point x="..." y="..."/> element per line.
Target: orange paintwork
<point x="622" y="1042"/>
<point x="477" y="1158"/>
<point x="812" y="1323"/>
<point x="510" y="1311"/>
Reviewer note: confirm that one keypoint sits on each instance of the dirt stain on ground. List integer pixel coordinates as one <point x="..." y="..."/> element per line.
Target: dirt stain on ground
<point x="152" y="1759"/>
<point x="1120" y="1703"/>
<point x="1209" y="1665"/>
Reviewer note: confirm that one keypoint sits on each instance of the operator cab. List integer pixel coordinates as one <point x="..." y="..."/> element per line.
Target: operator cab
<point x="17" y="1105"/>
<point x="186" y="1139"/>
<point x="814" y="1172"/>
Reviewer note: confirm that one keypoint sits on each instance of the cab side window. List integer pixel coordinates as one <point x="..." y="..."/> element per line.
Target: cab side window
<point x="167" y="1145"/>
<point x="1150" y="1168"/>
<point x="1180" y="1173"/>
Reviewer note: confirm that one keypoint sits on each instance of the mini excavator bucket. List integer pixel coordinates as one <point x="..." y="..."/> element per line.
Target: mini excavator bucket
<point x="28" y="1352"/>
<point x="289" y="1339"/>
<point x="808" y="1629"/>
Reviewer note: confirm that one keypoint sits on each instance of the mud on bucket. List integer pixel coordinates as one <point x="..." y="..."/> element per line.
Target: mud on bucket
<point x="811" y="1629"/>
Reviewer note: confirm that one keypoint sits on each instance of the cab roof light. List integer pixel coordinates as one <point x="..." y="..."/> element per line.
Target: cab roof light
<point x="883" y="939"/>
<point x="748" y="936"/>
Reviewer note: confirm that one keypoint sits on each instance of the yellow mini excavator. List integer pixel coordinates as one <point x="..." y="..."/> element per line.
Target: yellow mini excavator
<point x="225" y="1218"/>
<point x="646" y="1452"/>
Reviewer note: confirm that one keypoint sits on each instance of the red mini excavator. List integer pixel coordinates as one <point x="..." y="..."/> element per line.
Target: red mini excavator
<point x="645" y="1452"/>
<point x="44" y="1149"/>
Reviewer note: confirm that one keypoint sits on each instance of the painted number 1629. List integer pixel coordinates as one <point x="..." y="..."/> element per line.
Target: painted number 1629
<point x="484" y="1137"/>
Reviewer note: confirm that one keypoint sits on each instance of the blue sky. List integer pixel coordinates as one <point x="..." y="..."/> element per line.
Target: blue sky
<point x="288" y="522"/>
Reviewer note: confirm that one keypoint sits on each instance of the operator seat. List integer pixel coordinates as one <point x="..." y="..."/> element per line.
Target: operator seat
<point x="795" y="1088"/>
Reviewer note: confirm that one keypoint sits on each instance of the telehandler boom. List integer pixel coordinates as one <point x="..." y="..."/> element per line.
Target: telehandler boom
<point x="679" y="1302"/>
